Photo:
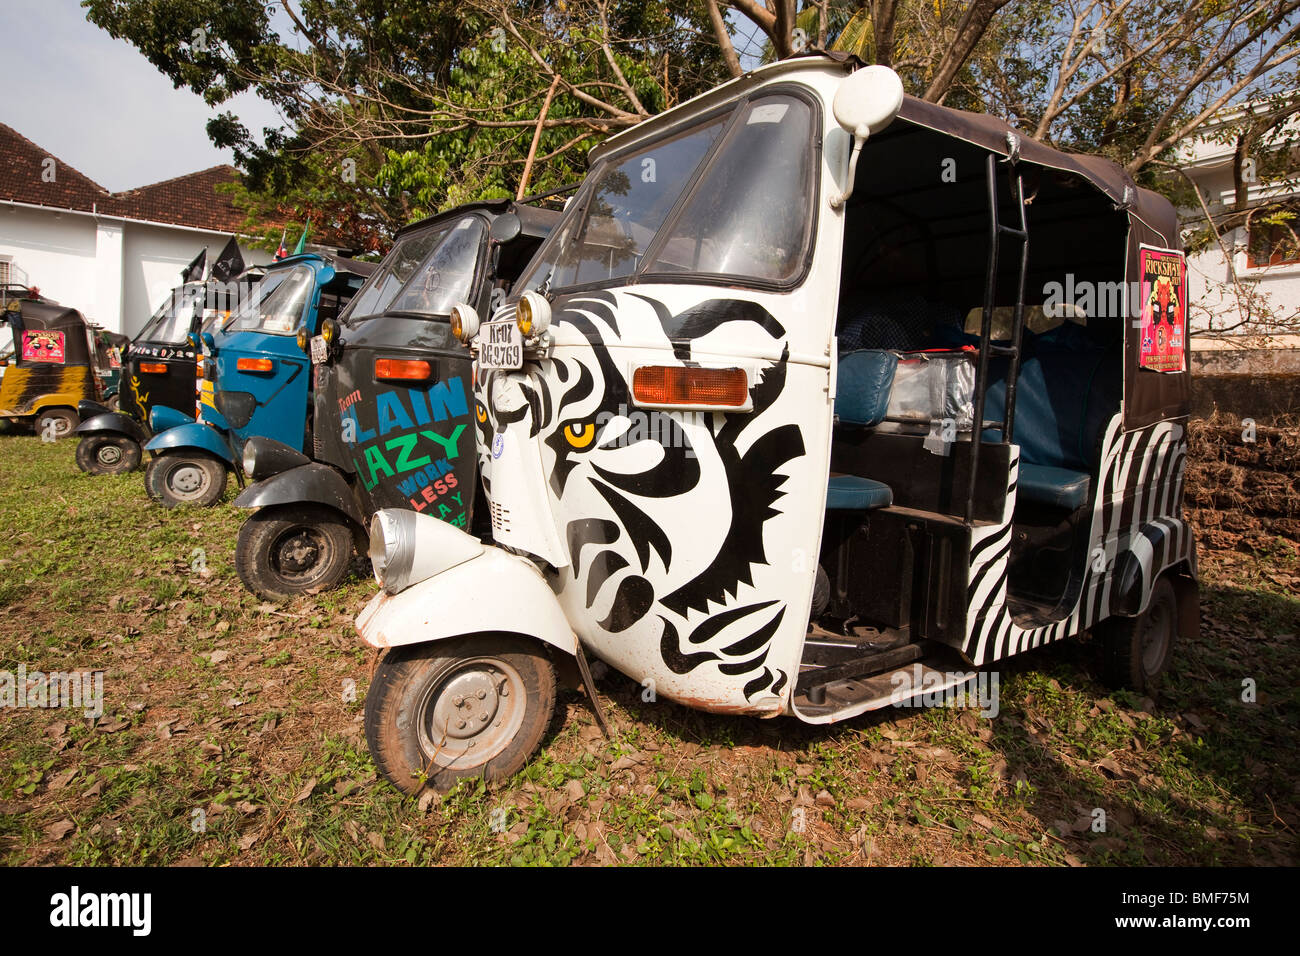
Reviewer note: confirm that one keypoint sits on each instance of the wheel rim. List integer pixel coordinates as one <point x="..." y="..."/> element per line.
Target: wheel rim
<point x="60" y="424"/>
<point x="300" y="553"/>
<point x="1155" y="637"/>
<point x="109" y="454"/>
<point x="470" y="713"/>
<point x="186" y="480"/>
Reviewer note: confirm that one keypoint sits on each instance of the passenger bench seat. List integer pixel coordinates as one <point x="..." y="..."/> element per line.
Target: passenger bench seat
<point x="1063" y="401"/>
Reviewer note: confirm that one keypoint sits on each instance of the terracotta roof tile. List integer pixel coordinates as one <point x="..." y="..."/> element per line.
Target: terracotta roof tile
<point x="25" y="169"/>
<point x="191" y="200"/>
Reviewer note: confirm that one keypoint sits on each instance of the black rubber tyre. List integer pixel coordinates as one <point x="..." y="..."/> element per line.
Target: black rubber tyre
<point x="421" y="696"/>
<point x="55" y="423"/>
<point x="286" y="550"/>
<point x="174" y="479"/>
<point x="1136" y="650"/>
<point x="108" y="454"/>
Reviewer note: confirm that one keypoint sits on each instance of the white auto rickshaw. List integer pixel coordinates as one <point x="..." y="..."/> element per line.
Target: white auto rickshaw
<point x="814" y="385"/>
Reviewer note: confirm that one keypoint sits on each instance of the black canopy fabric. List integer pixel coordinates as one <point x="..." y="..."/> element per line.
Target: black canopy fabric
<point x="35" y="316"/>
<point x="1149" y="396"/>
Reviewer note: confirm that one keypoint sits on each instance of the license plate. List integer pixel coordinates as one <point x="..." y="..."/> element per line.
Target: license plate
<point x="319" y="350"/>
<point x="501" y="346"/>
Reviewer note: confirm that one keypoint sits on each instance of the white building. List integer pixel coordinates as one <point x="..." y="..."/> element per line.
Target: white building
<point x="112" y="256"/>
<point x="1260" y="266"/>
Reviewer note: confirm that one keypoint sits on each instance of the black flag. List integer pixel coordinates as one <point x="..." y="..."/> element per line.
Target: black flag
<point x="229" y="264"/>
<point x="194" y="271"/>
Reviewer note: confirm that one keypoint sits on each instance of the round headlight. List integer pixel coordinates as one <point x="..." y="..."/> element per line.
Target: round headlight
<point x="329" y="331"/>
<point x="391" y="548"/>
<point x="303" y="340"/>
<point x="464" y="321"/>
<point x="250" y="459"/>
<point x="532" y="314"/>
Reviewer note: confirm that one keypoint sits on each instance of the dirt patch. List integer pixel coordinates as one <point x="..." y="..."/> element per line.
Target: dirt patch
<point x="1243" y="486"/>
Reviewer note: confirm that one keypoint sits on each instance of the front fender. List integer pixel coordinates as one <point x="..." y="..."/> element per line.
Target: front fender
<point x="495" y="592"/>
<point x="194" y="435"/>
<point x="314" y="482"/>
<point x="86" y="409"/>
<point x="164" y="417"/>
<point x="114" y="422"/>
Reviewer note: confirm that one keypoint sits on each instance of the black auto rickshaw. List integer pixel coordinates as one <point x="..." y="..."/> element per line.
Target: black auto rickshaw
<point x="110" y="347"/>
<point x="161" y="373"/>
<point x="394" y="415"/>
<point x="54" y="367"/>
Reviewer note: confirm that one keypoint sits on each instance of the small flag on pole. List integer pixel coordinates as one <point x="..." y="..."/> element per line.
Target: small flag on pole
<point x="194" y="271"/>
<point x="282" y="252"/>
<point x="229" y="264"/>
<point x="301" y="247"/>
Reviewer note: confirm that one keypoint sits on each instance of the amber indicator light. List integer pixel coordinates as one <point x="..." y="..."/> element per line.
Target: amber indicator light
<point x="676" y="385"/>
<point x="406" y="369"/>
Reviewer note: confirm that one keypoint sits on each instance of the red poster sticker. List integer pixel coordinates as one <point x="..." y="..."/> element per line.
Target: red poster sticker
<point x="43" y="347"/>
<point x="1164" y="309"/>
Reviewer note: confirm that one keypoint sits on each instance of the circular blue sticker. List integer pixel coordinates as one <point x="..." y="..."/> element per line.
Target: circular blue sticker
<point x="498" y="446"/>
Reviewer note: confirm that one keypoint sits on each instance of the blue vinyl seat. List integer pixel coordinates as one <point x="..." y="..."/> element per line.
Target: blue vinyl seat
<point x="861" y="398"/>
<point x="1064" y="399"/>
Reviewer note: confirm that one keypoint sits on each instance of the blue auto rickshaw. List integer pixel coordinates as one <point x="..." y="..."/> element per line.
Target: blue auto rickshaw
<point x="257" y="380"/>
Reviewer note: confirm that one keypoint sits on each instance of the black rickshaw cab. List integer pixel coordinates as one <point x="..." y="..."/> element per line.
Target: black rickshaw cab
<point x="395" y="421"/>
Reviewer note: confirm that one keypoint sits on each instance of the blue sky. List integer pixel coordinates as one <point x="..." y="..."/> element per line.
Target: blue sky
<point x="97" y="104"/>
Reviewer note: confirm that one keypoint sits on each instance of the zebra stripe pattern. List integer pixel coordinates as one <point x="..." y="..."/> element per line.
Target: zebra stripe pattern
<point x="1135" y="509"/>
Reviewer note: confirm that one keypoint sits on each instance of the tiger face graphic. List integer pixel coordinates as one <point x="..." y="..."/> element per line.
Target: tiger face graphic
<point x="661" y="514"/>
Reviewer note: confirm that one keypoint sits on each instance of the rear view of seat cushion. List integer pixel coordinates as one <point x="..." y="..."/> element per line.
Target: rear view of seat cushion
<point x="851" y="493"/>
<point x="1062" y="487"/>
<point x="862" y="388"/>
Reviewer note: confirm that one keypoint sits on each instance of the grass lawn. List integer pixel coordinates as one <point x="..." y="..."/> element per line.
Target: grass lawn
<point x="232" y="731"/>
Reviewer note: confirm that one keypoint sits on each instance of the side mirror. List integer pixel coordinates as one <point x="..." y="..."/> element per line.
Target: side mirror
<point x="866" y="102"/>
<point x="505" y="228"/>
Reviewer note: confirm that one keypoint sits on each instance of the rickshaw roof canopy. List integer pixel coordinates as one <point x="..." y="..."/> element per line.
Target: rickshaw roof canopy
<point x="535" y="221"/>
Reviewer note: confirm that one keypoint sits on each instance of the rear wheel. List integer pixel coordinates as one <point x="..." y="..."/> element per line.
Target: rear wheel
<point x="469" y="707"/>
<point x="287" y="550"/>
<point x="1137" y="650"/>
<point x="185" y="479"/>
<point x="54" y="423"/>
<point x="108" y="454"/>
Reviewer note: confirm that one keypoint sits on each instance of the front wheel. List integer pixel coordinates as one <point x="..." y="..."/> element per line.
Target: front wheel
<point x="468" y="707"/>
<point x="1137" y="650"/>
<point x="108" y="454"/>
<point x="180" y="479"/>
<point x="288" y="550"/>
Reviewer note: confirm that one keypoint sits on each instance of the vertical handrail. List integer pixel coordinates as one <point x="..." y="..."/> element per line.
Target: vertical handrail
<point x="986" y="328"/>
<point x="1018" y="321"/>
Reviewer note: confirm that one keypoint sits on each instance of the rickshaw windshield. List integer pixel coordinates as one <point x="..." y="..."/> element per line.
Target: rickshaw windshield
<point x="276" y="304"/>
<point x="171" y="323"/>
<point x="747" y="214"/>
<point x="427" y="272"/>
